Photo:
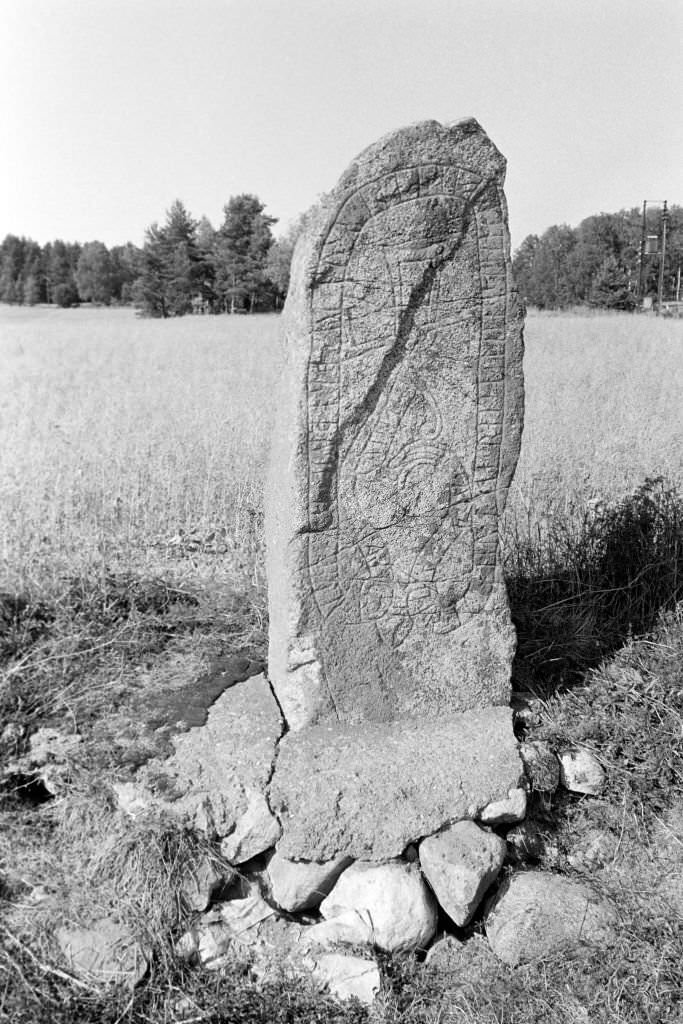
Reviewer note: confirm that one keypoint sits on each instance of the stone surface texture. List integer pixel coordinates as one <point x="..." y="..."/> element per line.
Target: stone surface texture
<point x="346" y="928"/>
<point x="255" y="831"/>
<point x="581" y="772"/>
<point x="368" y="791"/>
<point x="300" y="885"/>
<point x="392" y="899"/>
<point x="399" y="431"/>
<point x="508" y="809"/>
<point x="274" y="945"/>
<point x="235" y="924"/>
<point x="537" y="914"/>
<point x="348" y="976"/>
<point x="460" y="863"/>
<point x="200" y="881"/>
<point x="218" y="776"/>
<point x="106" y="952"/>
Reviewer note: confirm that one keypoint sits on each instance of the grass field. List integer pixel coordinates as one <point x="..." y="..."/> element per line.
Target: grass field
<point x="131" y="554"/>
<point x="121" y="434"/>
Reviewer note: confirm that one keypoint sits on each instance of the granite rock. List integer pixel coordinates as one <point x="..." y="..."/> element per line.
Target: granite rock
<point x="368" y="791"/>
<point x="347" y="976"/>
<point x="581" y="772"/>
<point x="106" y="952"/>
<point x="301" y="885"/>
<point x="537" y="914"/>
<point x="217" y="778"/>
<point x="509" y="808"/>
<point x="398" y="434"/>
<point x="460" y="863"/>
<point x="391" y="898"/>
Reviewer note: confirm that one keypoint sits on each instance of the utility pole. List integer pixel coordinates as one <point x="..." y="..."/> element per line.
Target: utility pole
<point x="652" y="245"/>
<point x="643" y="236"/>
<point x="662" y="256"/>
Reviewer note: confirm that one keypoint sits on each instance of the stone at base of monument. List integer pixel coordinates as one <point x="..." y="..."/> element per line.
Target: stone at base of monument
<point x="367" y="791"/>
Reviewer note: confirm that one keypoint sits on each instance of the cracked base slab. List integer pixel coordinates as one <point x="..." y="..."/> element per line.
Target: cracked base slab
<point x="367" y="791"/>
<point x="217" y="778"/>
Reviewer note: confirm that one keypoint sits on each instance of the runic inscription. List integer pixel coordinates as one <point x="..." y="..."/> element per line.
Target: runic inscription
<point x="398" y="432"/>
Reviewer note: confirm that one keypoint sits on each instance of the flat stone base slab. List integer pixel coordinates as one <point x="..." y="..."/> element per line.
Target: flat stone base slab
<point x="367" y="791"/>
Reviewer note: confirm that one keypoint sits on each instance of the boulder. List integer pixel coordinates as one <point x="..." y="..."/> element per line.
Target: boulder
<point x="460" y="863"/>
<point x="301" y="885"/>
<point x="537" y="914"/>
<point x="106" y="952"/>
<point x="392" y="898"/>
<point x="581" y="772"/>
<point x="348" y="977"/>
<point x="368" y="791"/>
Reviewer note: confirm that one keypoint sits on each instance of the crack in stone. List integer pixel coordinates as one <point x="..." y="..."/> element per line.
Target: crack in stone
<point x="273" y="764"/>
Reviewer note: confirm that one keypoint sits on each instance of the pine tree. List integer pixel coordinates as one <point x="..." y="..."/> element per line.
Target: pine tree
<point x="171" y="266"/>
<point x="242" y="246"/>
<point x="149" y="290"/>
<point x="611" y="288"/>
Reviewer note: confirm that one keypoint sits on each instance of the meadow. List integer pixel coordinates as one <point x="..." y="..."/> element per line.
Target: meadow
<point x="123" y="436"/>
<point x="131" y="554"/>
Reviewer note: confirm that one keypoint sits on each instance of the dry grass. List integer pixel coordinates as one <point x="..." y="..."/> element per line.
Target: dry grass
<point x="604" y="411"/>
<point x="124" y="438"/>
<point x="131" y="476"/>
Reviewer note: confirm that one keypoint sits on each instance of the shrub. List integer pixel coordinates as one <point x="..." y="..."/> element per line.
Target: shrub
<point x="579" y="589"/>
<point x="65" y="295"/>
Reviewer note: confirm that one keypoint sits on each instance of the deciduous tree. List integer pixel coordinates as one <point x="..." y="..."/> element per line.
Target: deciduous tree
<point x="95" y="274"/>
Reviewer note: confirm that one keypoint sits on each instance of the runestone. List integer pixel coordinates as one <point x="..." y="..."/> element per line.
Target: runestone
<point x="397" y="433"/>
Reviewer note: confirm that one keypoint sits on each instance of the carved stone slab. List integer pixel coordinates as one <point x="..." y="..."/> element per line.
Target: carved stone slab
<point x="398" y="432"/>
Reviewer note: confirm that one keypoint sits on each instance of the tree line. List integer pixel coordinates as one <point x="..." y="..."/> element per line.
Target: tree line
<point x="184" y="266"/>
<point x="188" y="266"/>
<point x="598" y="262"/>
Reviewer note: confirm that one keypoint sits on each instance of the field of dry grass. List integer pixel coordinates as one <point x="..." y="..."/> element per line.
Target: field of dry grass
<point x="120" y="435"/>
<point x="131" y="555"/>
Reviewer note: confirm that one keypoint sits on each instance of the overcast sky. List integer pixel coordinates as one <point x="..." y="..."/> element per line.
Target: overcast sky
<point x="111" y="109"/>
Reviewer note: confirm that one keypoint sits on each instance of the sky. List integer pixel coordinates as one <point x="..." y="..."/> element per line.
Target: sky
<point x="112" y="109"/>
